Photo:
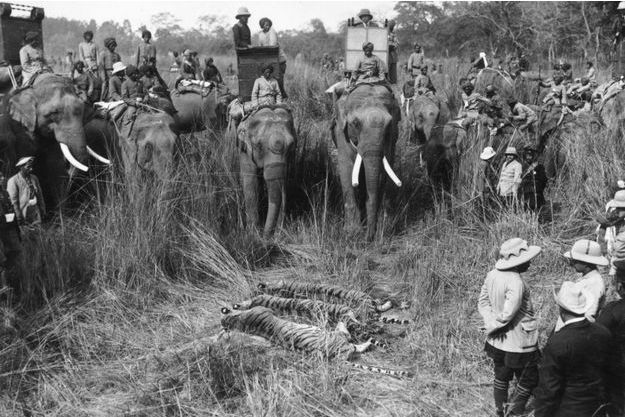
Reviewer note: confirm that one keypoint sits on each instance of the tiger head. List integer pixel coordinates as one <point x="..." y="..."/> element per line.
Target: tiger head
<point x="241" y="319"/>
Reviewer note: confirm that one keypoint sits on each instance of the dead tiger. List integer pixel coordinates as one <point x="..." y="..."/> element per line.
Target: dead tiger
<point x="295" y="289"/>
<point x="312" y="309"/>
<point x="366" y="308"/>
<point x="260" y="321"/>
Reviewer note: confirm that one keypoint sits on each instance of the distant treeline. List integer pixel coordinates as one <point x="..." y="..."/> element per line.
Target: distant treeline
<point x="211" y="36"/>
<point x="541" y="30"/>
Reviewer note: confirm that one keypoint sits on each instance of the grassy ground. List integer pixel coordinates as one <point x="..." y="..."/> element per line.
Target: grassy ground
<point x="124" y="297"/>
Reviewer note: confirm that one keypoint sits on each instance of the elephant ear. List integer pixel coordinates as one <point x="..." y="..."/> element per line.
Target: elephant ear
<point x="23" y="109"/>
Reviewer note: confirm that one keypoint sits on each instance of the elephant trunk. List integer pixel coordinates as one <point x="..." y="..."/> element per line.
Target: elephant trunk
<point x="373" y="169"/>
<point x="274" y="175"/>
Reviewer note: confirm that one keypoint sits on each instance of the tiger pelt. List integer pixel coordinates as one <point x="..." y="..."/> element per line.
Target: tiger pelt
<point x="296" y="289"/>
<point x="311" y="309"/>
<point x="260" y="321"/>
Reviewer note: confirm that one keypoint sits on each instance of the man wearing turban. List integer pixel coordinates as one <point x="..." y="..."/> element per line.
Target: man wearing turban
<point x="107" y="58"/>
<point x="369" y="67"/>
<point x="31" y="57"/>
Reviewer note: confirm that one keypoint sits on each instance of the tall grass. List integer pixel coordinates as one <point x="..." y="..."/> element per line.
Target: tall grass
<point x="121" y="300"/>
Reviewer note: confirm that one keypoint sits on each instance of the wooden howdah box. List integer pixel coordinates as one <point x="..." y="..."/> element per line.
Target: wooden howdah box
<point x="249" y="65"/>
<point x="15" y="21"/>
<point x="356" y="36"/>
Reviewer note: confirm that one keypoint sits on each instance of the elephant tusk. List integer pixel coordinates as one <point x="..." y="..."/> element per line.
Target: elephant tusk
<point x="70" y="158"/>
<point x="356" y="170"/>
<point x="98" y="156"/>
<point x="389" y="171"/>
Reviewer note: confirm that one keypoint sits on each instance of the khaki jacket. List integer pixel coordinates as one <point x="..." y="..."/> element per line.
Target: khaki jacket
<point x="506" y="307"/>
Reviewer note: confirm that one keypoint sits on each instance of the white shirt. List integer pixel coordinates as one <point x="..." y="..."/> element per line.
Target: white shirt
<point x="270" y="38"/>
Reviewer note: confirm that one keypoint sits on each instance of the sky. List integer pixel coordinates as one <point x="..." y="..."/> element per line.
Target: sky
<point x="284" y="14"/>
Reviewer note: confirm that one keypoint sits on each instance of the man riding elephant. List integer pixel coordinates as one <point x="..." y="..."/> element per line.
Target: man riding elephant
<point x="369" y="68"/>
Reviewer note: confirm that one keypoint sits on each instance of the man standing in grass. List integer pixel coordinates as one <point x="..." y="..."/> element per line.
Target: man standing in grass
<point x="510" y="326"/>
<point x="578" y="376"/>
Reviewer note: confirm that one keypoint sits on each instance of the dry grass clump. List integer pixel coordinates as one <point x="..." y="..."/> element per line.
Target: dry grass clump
<point x="123" y="298"/>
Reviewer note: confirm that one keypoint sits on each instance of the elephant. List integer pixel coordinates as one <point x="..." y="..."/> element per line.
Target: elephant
<point x="441" y="154"/>
<point x="499" y="79"/>
<point x="365" y="132"/>
<point x="264" y="140"/>
<point x="196" y="112"/>
<point x="612" y="112"/>
<point x="39" y="119"/>
<point x="424" y="113"/>
<point x="150" y="148"/>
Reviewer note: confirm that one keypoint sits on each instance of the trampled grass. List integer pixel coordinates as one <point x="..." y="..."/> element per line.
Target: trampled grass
<point x="122" y="299"/>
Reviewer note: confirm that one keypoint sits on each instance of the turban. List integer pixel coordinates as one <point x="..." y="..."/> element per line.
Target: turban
<point x="130" y="70"/>
<point x="367" y="45"/>
<point x="109" y="42"/>
<point x="263" y="20"/>
<point x="31" y="36"/>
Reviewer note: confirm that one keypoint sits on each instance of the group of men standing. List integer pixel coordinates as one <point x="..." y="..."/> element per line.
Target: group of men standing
<point x="517" y="180"/>
<point x="580" y="372"/>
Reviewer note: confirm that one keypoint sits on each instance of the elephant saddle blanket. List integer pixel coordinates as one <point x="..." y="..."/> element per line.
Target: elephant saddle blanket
<point x="360" y="83"/>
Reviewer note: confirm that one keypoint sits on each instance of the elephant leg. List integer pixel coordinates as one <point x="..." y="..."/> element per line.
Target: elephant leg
<point x="249" y="179"/>
<point x="352" y="211"/>
<point x="275" y="197"/>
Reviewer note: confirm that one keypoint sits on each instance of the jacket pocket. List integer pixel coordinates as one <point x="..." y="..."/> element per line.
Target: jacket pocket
<point x="529" y="330"/>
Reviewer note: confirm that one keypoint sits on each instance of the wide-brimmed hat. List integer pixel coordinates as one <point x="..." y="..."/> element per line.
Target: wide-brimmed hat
<point x="515" y="252"/>
<point x="24" y="161"/>
<point x="587" y="251"/>
<point x="618" y="201"/>
<point x="365" y="12"/>
<point x="573" y="298"/>
<point x="511" y="150"/>
<point x="117" y="67"/>
<point x="242" y="12"/>
<point x="487" y="153"/>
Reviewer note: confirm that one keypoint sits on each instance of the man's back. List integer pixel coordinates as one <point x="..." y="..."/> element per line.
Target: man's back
<point x="613" y="318"/>
<point x="574" y="371"/>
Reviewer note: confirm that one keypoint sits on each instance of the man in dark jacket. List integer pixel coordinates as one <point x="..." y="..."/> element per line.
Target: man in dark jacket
<point x="612" y="316"/>
<point x="576" y="370"/>
<point x="241" y="31"/>
<point x="211" y="72"/>
<point x="533" y="180"/>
